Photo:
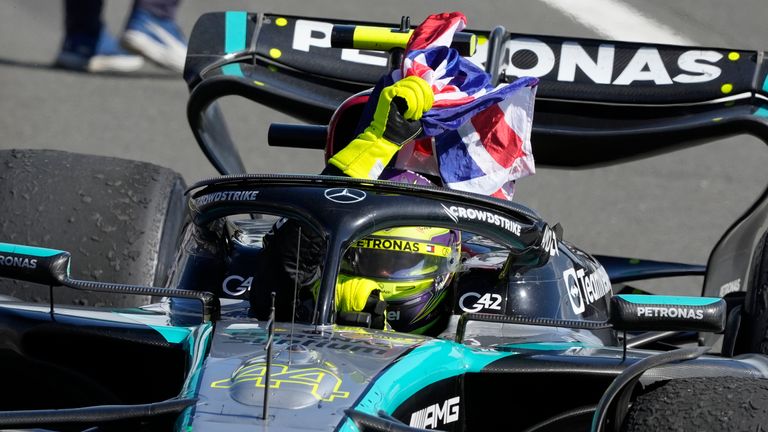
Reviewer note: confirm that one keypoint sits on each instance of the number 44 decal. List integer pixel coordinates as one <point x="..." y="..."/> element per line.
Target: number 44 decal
<point x="484" y="301"/>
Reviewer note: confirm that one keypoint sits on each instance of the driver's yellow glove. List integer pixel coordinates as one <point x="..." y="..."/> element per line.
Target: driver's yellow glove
<point x="352" y="293"/>
<point x="394" y="123"/>
<point x="358" y="294"/>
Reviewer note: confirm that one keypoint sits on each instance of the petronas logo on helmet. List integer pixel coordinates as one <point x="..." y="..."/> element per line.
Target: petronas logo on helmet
<point x="398" y="245"/>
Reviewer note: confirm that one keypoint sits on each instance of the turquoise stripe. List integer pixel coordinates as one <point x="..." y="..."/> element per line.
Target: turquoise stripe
<point x="669" y="300"/>
<point x="762" y="111"/>
<point x="196" y="347"/>
<point x="28" y="250"/>
<point x="235" y="25"/>
<point x="426" y="364"/>
<point x="232" y="69"/>
<point x="545" y="346"/>
<point x="173" y="334"/>
<point x="765" y="83"/>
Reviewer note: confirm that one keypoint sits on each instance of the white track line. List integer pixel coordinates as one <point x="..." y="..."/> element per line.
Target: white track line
<point x="615" y="20"/>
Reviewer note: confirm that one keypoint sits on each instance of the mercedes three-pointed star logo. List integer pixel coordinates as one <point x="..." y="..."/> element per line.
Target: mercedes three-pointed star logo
<point x="345" y="195"/>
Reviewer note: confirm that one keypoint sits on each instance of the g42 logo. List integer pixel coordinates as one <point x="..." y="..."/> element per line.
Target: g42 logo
<point x="485" y="301"/>
<point x="236" y="285"/>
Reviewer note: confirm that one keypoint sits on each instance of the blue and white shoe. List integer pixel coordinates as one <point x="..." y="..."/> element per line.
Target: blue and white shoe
<point x="96" y="54"/>
<point x="159" y="40"/>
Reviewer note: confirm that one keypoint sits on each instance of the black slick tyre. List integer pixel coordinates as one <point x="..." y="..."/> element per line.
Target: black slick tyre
<point x="120" y="220"/>
<point x="753" y="331"/>
<point x="701" y="405"/>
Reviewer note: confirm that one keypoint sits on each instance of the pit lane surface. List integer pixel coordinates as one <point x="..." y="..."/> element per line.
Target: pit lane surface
<point x="672" y="207"/>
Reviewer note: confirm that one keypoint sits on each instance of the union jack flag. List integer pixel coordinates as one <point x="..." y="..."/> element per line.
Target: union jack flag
<point x="482" y="133"/>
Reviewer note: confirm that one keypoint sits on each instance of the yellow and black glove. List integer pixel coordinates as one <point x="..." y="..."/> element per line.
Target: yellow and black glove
<point x="357" y="297"/>
<point x="395" y="122"/>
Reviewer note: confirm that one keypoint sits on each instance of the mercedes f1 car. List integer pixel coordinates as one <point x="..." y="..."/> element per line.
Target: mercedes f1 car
<point x="532" y="335"/>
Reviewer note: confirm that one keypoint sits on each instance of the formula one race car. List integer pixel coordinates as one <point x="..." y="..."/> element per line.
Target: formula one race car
<point x="526" y="334"/>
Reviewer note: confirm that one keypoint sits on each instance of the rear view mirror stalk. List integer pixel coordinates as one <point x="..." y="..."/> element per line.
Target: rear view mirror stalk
<point x="52" y="267"/>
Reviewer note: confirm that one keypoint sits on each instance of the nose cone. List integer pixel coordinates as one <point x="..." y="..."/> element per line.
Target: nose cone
<point x="298" y="378"/>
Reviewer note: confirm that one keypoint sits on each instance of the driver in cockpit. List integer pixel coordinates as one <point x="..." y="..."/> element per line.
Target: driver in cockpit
<point x="415" y="285"/>
<point x="411" y="267"/>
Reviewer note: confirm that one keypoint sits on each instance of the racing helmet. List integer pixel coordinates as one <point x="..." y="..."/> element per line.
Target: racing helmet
<point x="413" y="266"/>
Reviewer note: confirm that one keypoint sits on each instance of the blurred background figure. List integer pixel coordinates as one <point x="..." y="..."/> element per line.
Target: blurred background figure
<point x="151" y="32"/>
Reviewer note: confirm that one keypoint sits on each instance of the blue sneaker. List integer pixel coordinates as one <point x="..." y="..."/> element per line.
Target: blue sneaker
<point x="159" y="40"/>
<point x="96" y="54"/>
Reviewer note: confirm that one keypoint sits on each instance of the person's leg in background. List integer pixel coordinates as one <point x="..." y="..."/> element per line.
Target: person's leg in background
<point x="152" y="32"/>
<point x="88" y="45"/>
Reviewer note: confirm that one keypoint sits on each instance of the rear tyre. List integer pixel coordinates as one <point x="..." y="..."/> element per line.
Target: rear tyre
<point x="120" y="220"/>
<point x="701" y="405"/>
<point x="753" y="331"/>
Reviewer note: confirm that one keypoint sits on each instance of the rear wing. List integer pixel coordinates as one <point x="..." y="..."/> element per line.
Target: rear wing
<point x="598" y="101"/>
<point x="614" y="100"/>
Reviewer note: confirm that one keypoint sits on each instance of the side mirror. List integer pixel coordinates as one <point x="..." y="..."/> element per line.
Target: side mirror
<point x="667" y="313"/>
<point x="34" y="264"/>
<point x="51" y="267"/>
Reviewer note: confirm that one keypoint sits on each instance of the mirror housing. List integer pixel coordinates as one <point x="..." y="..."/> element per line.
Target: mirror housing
<point x="34" y="264"/>
<point x="637" y="312"/>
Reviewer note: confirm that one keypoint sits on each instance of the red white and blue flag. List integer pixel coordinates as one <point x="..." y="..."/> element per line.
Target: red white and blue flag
<point x="482" y="133"/>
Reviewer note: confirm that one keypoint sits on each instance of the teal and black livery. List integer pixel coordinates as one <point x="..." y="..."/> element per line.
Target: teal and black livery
<point x="34" y="264"/>
<point x="522" y="354"/>
<point x="235" y="39"/>
<point x="431" y="374"/>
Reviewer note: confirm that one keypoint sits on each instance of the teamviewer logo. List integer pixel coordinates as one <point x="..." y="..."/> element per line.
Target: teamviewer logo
<point x="574" y="293"/>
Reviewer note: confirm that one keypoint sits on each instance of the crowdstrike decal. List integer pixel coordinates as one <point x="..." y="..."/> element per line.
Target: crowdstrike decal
<point x="30" y="263"/>
<point x="237" y="334"/>
<point x="585" y="289"/>
<point x="227" y="196"/>
<point x="645" y="64"/>
<point x="549" y="242"/>
<point x="669" y="312"/>
<point x="456" y="213"/>
<point x="432" y="416"/>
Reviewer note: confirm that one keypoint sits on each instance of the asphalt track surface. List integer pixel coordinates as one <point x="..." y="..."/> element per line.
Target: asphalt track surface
<point x="672" y="207"/>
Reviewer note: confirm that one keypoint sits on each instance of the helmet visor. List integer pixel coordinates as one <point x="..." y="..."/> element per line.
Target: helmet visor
<point x="395" y="259"/>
